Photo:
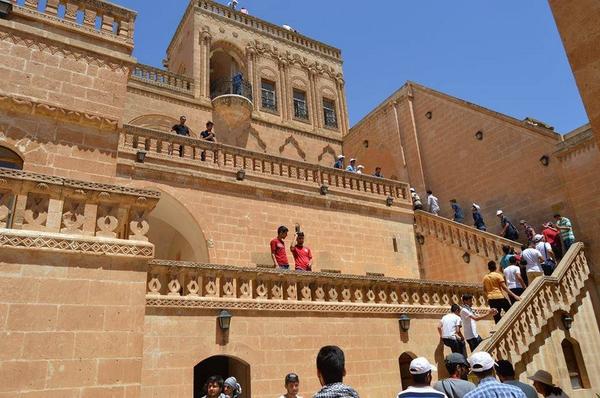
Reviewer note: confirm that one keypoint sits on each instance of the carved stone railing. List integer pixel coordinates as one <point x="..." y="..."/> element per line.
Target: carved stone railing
<point x="269" y="28"/>
<point x="162" y="78"/>
<point x="92" y="16"/>
<point x="55" y="206"/>
<point x="546" y="296"/>
<point x="192" y="285"/>
<point x="465" y="237"/>
<point x="161" y="145"/>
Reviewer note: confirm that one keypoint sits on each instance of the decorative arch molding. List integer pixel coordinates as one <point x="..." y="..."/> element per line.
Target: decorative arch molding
<point x="299" y="82"/>
<point x="327" y="149"/>
<point x="155" y="122"/>
<point x="328" y="92"/>
<point x="231" y="49"/>
<point x="292" y="141"/>
<point x="268" y="72"/>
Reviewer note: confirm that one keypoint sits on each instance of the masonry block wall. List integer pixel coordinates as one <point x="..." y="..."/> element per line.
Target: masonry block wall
<point x="276" y="344"/>
<point x="70" y="325"/>
<point x="442" y="262"/>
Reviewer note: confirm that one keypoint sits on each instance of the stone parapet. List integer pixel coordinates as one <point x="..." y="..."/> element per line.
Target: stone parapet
<point x="467" y="238"/>
<point x="163" y="79"/>
<point x="186" y="153"/>
<point x="192" y="285"/>
<point x="546" y="296"/>
<point x="49" y="204"/>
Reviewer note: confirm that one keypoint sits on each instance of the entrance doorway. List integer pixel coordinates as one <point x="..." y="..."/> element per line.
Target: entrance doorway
<point x="404" y="363"/>
<point x="223" y="366"/>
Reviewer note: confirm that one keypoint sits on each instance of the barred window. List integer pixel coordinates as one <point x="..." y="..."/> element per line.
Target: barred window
<point x="300" y="106"/>
<point x="268" y="96"/>
<point x="329" y="113"/>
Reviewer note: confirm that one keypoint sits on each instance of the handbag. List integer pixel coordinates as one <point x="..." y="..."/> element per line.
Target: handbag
<point x="548" y="265"/>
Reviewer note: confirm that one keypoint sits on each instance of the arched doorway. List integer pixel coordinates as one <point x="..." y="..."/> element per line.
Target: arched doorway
<point x="404" y="364"/>
<point x="226" y="61"/>
<point x="174" y="232"/>
<point x="10" y="159"/>
<point x="225" y="367"/>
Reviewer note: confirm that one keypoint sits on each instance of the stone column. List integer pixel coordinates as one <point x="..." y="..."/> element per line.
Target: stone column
<point x="341" y="102"/>
<point x="284" y="100"/>
<point x="205" y="44"/>
<point x="312" y="88"/>
<point x="251" y="78"/>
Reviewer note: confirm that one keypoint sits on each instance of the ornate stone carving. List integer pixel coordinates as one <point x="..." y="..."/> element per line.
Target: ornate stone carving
<point x="139" y="225"/>
<point x="36" y="212"/>
<point x="107" y="221"/>
<point x="73" y="217"/>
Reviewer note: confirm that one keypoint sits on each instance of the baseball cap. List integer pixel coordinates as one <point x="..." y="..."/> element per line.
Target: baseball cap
<point x="353" y="160"/>
<point x="421" y="365"/>
<point x="538" y="238"/>
<point x="499" y="212"/>
<point x="412" y="190"/>
<point x="481" y="361"/>
<point x="360" y="166"/>
<point x="456" y="358"/>
<point x="341" y="157"/>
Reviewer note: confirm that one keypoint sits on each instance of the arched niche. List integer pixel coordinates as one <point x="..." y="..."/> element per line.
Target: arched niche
<point x="224" y="366"/>
<point x="404" y="363"/>
<point x="174" y="232"/>
<point x="226" y="60"/>
<point x="10" y="159"/>
<point x="155" y="122"/>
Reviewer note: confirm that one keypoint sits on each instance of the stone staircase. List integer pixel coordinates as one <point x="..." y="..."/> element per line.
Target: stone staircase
<point x="462" y="236"/>
<point x="542" y="301"/>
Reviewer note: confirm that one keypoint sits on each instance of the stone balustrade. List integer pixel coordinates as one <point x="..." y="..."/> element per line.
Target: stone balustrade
<point x="163" y="79"/>
<point x="268" y="28"/>
<point x="161" y="145"/>
<point x="95" y="16"/>
<point x="192" y="285"/>
<point x="465" y="237"/>
<point x="60" y="206"/>
<point x="546" y="296"/>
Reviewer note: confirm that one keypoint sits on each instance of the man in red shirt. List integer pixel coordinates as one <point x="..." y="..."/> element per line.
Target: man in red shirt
<point x="278" y="253"/>
<point x="302" y="255"/>
<point x="552" y="236"/>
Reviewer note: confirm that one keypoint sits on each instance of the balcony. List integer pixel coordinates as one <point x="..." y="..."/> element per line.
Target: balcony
<point x="162" y="79"/>
<point x="168" y="154"/>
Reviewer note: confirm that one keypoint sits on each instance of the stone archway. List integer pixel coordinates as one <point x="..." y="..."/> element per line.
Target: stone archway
<point x="10" y="159"/>
<point x="174" y="232"/>
<point x="404" y="364"/>
<point x="224" y="366"/>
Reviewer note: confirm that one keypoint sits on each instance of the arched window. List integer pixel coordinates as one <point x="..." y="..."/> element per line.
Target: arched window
<point x="404" y="363"/>
<point x="575" y="364"/>
<point x="10" y="159"/>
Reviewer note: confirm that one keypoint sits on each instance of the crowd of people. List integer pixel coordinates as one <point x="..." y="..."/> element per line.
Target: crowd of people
<point x="353" y="168"/>
<point x="493" y="378"/>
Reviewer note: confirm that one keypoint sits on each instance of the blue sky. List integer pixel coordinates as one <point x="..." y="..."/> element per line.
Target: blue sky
<point x="505" y="55"/>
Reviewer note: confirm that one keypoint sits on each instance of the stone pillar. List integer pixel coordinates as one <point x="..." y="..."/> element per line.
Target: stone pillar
<point x="205" y="45"/>
<point x="285" y="93"/>
<point x="250" y="56"/>
<point x="341" y="102"/>
<point x="312" y="89"/>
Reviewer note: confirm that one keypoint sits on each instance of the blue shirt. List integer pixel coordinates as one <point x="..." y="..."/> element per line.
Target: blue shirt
<point x="477" y="219"/>
<point x="351" y="168"/>
<point x="492" y="388"/>
<point x="339" y="164"/>
<point x="458" y="213"/>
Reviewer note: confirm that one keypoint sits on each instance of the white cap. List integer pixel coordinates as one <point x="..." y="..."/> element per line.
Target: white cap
<point x="481" y="361"/>
<point x="360" y="166"/>
<point x="341" y="157"/>
<point x="412" y="190"/>
<point x="353" y="160"/>
<point x="538" y="238"/>
<point x="499" y="212"/>
<point x="421" y="365"/>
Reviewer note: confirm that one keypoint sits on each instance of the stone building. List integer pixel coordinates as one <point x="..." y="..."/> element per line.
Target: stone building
<point x="122" y="243"/>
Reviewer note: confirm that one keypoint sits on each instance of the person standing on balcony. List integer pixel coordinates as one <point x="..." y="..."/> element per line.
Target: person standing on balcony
<point x="359" y="169"/>
<point x="450" y="332"/>
<point x="552" y="236"/>
<point x="478" y="218"/>
<point x="494" y="288"/>
<point x="469" y="320"/>
<point x="339" y="163"/>
<point x="457" y="385"/>
<point x="207" y="135"/>
<point x="512" y="274"/>
<point x="509" y="231"/>
<point x="378" y="172"/>
<point x="529" y="231"/>
<point x="534" y="260"/>
<point x="302" y="254"/>
<point x="566" y="230"/>
<point x="433" y="205"/>
<point x="236" y="82"/>
<point x="278" y="253"/>
<point x="482" y="366"/>
<point x="458" y="216"/>
<point x="416" y="200"/>
<point x="352" y="166"/>
<point x="233" y="4"/>
<point x="181" y="129"/>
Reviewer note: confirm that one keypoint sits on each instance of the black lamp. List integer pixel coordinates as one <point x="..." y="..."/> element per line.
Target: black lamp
<point x="567" y="321"/>
<point x="240" y="175"/>
<point x="140" y="156"/>
<point x="389" y="201"/>
<point x="404" y="321"/>
<point x="545" y="160"/>
<point x="224" y="318"/>
<point x="466" y="257"/>
<point x="479" y="135"/>
<point x="420" y="239"/>
<point x="323" y="189"/>
<point x="428" y="115"/>
<point x="5" y="8"/>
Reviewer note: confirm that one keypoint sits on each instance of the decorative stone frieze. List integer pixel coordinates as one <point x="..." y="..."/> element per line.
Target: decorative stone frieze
<point x="191" y="285"/>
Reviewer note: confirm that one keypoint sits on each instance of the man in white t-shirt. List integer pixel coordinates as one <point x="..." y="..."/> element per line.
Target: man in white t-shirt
<point x="450" y="332"/>
<point x="546" y="249"/>
<point x="512" y="274"/>
<point x="469" y="320"/>
<point x="534" y="262"/>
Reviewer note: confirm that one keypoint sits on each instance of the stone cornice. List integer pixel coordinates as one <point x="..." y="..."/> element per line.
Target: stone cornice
<point x="575" y="142"/>
<point x="45" y="241"/>
<point x="44" y="108"/>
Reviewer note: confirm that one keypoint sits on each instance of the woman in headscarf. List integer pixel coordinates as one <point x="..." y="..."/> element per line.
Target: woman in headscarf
<point x="477" y="218"/>
<point x="232" y="388"/>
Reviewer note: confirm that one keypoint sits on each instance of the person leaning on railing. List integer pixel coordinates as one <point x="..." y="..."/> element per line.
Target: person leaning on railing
<point x="208" y="135"/>
<point x="181" y="129"/>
